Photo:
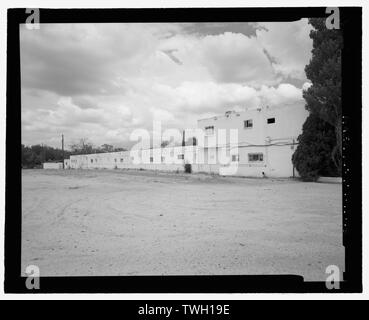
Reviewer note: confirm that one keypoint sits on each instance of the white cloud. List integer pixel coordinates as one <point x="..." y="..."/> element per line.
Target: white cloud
<point x="234" y="57"/>
<point x="103" y="81"/>
<point x="284" y="94"/>
<point x="288" y="44"/>
<point x="306" y="85"/>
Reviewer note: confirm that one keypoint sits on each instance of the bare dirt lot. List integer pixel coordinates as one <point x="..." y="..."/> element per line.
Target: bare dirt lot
<point x="115" y="222"/>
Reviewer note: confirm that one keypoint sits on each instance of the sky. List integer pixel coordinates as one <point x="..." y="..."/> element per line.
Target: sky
<point x="102" y="81"/>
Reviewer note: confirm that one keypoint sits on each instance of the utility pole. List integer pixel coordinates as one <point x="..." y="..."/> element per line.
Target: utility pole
<point x="63" y="149"/>
<point x="293" y="166"/>
<point x="43" y="155"/>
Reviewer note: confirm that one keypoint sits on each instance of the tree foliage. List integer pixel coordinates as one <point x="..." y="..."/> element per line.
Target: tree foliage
<point x="323" y="98"/>
<point x="33" y="156"/>
<point x="164" y="144"/>
<point x="83" y="146"/>
<point x="312" y="157"/>
<point x="107" y="147"/>
<point x="320" y="144"/>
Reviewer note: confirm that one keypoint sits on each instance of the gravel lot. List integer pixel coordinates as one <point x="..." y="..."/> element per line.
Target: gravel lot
<point x="120" y="222"/>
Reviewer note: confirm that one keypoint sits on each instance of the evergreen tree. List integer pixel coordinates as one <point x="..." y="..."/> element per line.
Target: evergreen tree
<point x="312" y="157"/>
<point x="323" y="98"/>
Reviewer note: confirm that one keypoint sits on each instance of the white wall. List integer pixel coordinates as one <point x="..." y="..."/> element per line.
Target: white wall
<point x="276" y="161"/>
<point x="66" y="163"/>
<point x="287" y="126"/>
<point x="275" y="141"/>
<point x="52" y="165"/>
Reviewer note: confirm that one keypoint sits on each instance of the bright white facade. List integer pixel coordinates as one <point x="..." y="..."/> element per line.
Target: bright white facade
<point x="255" y="143"/>
<point x="267" y="138"/>
<point x="52" y="165"/>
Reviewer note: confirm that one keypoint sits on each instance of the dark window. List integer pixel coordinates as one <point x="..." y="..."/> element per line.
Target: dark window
<point x="255" y="157"/>
<point x="121" y="160"/>
<point x="92" y="160"/>
<point x="209" y="130"/>
<point x="247" y="124"/>
<point x="271" y="120"/>
<point x="151" y="159"/>
<point x="235" y="158"/>
<point x="180" y="156"/>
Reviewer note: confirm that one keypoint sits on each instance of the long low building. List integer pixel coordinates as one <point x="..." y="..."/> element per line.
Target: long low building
<point x="264" y="140"/>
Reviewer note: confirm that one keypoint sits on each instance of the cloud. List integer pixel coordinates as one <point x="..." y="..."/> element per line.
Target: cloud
<point x="234" y="57"/>
<point x="216" y="28"/>
<point x="288" y="44"/>
<point x="74" y="59"/>
<point x="284" y="94"/>
<point x="171" y="55"/>
<point x="228" y="57"/>
<point x="306" y="85"/>
<point x="101" y="81"/>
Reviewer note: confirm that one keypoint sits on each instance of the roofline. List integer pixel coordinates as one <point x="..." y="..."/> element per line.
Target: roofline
<point x="250" y="109"/>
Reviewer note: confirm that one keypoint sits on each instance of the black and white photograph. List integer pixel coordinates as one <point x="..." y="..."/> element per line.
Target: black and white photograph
<point x="183" y="148"/>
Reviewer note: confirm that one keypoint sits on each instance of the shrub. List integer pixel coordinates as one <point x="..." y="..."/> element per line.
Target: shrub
<point x="188" y="168"/>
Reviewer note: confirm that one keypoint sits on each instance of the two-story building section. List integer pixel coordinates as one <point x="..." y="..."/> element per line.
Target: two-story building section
<point x="267" y="138"/>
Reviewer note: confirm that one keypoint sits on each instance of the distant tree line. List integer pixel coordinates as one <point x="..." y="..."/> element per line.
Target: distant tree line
<point x="319" y="152"/>
<point x="33" y="156"/>
<point x="192" y="141"/>
<point x="83" y="146"/>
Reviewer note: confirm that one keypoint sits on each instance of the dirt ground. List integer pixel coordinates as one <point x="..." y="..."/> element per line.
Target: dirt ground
<point x="120" y="222"/>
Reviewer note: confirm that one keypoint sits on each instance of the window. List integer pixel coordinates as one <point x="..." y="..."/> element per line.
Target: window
<point x="255" y="157"/>
<point x="92" y="160"/>
<point x="163" y="159"/>
<point x="121" y="159"/>
<point x="115" y="160"/>
<point x="180" y="156"/>
<point x="235" y="158"/>
<point x="151" y="159"/>
<point x="271" y="120"/>
<point x="209" y="130"/>
<point x="247" y="124"/>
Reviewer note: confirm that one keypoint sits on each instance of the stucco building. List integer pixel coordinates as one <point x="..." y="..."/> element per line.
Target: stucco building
<point x="257" y="142"/>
